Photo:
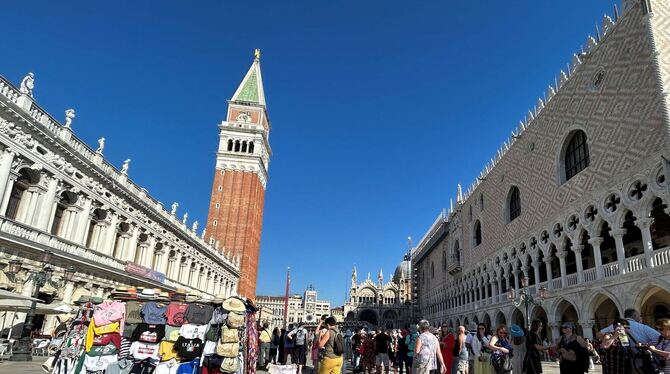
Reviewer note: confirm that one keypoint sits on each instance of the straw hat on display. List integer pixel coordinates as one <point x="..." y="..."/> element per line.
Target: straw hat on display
<point x="233" y="304"/>
<point x="148" y="293"/>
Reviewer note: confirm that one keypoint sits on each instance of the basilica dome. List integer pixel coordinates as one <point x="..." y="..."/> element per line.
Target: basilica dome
<point x="402" y="271"/>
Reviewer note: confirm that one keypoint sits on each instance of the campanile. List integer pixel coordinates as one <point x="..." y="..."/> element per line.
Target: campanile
<point x="236" y="207"/>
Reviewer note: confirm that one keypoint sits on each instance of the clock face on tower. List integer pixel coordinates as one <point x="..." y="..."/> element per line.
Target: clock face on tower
<point x="310" y="299"/>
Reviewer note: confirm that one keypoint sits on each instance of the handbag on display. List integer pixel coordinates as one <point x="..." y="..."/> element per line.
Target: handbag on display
<point x="235" y="320"/>
<point x="229" y="365"/>
<point x="227" y="349"/>
<point x="229" y="335"/>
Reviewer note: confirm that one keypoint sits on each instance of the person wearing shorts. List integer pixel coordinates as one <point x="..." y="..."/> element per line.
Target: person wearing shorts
<point x="382" y="347"/>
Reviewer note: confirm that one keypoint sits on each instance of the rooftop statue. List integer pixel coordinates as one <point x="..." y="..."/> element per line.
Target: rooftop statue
<point x="101" y="146"/>
<point x="124" y="167"/>
<point x="27" y="84"/>
<point x="69" y="115"/>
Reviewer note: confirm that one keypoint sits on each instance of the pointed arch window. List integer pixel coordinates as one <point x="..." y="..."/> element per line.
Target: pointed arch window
<point x="477" y="233"/>
<point x="514" y="203"/>
<point x="577" y="157"/>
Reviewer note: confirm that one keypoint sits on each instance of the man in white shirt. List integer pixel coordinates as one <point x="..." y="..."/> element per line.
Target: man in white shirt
<point x="640" y="332"/>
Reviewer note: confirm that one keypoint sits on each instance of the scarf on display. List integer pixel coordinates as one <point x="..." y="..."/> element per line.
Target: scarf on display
<point x="252" y="343"/>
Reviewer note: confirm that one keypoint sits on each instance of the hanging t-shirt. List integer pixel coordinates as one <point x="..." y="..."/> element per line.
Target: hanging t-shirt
<point x="154" y="313"/>
<point x="111" y="338"/>
<point x="134" y="312"/>
<point x="199" y="314"/>
<point x="189" y="367"/>
<point x="102" y="350"/>
<point x="171" y="333"/>
<point x="188" y="349"/>
<point x="149" y="333"/>
<point x="190" y="331"/>
<point x="175" y="314"/>
<point x="166" y="350"/>
<point x="98" y="363"/>
<point x="108" y="311"/>
<point x="219" y="316"/>
<point x="167" y="367"/>
<point x="141" y="351"/>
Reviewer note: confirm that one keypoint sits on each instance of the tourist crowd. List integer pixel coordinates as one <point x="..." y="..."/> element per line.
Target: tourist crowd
<point x="627" y="346"/>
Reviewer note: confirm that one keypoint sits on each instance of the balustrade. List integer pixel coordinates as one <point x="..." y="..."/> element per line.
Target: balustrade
<point x="556" y="284"/>
<point x="661" y="256"/>
<point x="590" y="275"/>
<point x="635" y="263"/>
<point x="611" y="269"/>
<point x="572" y="279"/>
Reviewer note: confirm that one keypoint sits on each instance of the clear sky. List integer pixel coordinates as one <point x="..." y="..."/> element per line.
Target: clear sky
<point x="378" y="107"/>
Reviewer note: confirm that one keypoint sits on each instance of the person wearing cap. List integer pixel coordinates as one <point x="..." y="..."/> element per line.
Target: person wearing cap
<point x="427" y="352"/>
<point x="617" y="348"/>
<point x="519" y="347"/>
<point x="571" y="350"/>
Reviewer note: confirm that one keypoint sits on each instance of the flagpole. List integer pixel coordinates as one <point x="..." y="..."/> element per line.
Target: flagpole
<point x="288" y="283"/>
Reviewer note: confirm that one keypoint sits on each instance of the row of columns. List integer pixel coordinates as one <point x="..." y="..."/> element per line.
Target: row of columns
<point x="105" y="236"/>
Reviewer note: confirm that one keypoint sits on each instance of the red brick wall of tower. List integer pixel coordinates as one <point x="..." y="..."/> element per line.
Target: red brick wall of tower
<point x="236" y="222"/>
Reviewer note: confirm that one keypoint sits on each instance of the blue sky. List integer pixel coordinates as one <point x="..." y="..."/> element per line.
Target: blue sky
<point x="378" y="108"/>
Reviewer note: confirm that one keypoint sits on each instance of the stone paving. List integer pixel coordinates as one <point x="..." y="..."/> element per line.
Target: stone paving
<point x="34" y="367"/>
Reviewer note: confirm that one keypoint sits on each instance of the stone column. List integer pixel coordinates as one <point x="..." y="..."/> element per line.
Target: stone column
<point x="595" y="243"/>
<point x="578" y="258"/>
<point x="148" y="258"/>
<point x="73" y="214"/>
<point x="547" y="266"/>
<point x="555" y="331"/>
<point x="587" y="329"/>
<point x="46" y="209"/>
<point x="110" y="235"/>
<point x="561" y="260"/>
<point x="84" y="221"/>
<point x="7" y="194"/>
<point x="27" y="205"/>
<point x="618" y="234"/>
<point x="645" y="228"/>
<point x="6" y="183"/>
<point x="536" y="271"/>
<point x="499" y="288"/>
<point x="131" y="246"/>
<point x="67" y="292"/>
<point x="516" y="279"/>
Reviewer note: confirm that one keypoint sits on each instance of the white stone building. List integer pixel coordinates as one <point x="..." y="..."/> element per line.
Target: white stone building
<point x="58" y="194"/>
<point x="576" y="200"/>
<point x="301" y="308"/>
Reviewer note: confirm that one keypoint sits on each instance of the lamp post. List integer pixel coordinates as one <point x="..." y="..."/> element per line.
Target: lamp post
<point x="23" y="351"/>
<point x="525" y="298"/>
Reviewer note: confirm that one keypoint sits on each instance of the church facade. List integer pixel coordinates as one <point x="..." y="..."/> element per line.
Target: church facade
<point x="576" y="202"/>
<point x="381" y="304"/>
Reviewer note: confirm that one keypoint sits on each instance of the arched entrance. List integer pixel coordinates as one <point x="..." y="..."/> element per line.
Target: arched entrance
<point x="487" y="321"/>
<point x="518" y="318"/>
<point x="369" y="316"/>
<point x="605" y="312"/>
<point x="389" y="317"/>
<point x="500" y="320"/>
<point x="539" y="313"/>
<point x="655" y="304"/>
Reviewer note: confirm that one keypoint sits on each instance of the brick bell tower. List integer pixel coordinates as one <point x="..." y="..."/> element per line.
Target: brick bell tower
<point x="236" y="207"/>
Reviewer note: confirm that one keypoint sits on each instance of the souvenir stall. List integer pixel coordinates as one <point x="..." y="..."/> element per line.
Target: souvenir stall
<point x="154" y="332"/>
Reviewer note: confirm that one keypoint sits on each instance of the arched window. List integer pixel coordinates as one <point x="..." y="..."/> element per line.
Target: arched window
<point x="432" y="270"/>
<point x="237" y="145"/>
<point x="481" y="202"/>
<point x="576" y="156"/>
<point x="444" y="260"/>
<point x="230" y="145"/>
<point x="477" y="233"/>
<point x="244" y="146"/>
<point x="514" y="203"/>
<point x="251" y="147"/>
<point x="470" y="214"/>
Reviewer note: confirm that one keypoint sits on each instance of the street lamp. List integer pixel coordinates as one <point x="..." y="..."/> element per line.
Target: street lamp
<point x="525" y="298"/>
<point x="23" y="351"/>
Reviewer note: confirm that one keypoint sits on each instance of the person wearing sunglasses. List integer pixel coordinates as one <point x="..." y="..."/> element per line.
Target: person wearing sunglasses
<point x="481" y="350"/>
<point x="572" y="353"/>
<point x="501" y="348"/>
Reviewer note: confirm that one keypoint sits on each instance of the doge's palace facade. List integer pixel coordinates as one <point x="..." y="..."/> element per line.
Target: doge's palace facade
<point x="576" y="201"/>
<point x="58" y="194"/>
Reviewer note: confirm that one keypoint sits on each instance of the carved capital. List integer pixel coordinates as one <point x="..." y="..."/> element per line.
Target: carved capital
<point x="596" y="242"/>
<point x="577" y="248"/>
<point x="644" y="223"/>
<point x="618" y="233"/>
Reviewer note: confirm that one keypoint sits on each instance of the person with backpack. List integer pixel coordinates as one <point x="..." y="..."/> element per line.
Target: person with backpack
<point x="332" y="343"/>
<point x="410" y="340"/>
<point x="299" y="338"/>
<point x="572" y="353"/>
